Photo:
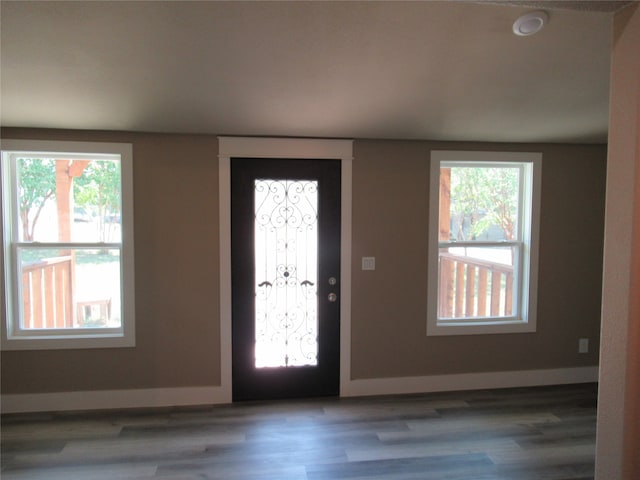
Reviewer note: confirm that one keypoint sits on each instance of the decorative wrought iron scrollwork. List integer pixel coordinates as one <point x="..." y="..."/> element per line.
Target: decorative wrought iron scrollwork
<point x="286" y="241"/>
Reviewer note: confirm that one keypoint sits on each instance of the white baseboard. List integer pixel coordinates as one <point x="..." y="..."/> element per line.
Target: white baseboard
<point x="175" y="397"/>
<point x="468" y="381"/>
<point x="114" y="399"/>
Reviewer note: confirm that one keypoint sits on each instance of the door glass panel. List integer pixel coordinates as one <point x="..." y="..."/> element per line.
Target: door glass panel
<point x="286" y="273"/>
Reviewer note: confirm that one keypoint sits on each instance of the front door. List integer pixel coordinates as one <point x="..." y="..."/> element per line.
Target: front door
<point x="285" y="261"/>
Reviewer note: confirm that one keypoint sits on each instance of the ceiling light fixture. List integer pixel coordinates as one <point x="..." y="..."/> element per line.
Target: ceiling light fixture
<point x="530" y="23"/>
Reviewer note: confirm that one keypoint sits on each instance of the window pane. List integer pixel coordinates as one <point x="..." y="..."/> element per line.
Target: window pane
<point x="479" y="203"/>
<point x="476" y="282"/>
<point x="77" y="288"/>
<point x="69" y="200"/>
<point x="286" y="273"/>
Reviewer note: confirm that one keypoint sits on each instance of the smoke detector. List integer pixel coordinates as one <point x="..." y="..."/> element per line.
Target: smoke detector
<point x="530" y="23"/>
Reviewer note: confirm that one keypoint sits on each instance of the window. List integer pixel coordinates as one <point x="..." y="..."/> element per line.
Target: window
<point x="67" y="229"/>
<point x="483" y="242"/>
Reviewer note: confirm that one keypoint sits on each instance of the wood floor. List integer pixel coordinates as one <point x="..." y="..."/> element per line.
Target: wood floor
<point x="513" y="434"/>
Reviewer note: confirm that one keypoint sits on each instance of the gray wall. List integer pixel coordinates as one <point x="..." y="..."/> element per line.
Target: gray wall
<point x="390" y="222"/>
<point x="177" y="277"/>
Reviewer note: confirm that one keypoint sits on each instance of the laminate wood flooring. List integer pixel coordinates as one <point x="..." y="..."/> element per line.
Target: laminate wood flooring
<point x="543" y="433"/>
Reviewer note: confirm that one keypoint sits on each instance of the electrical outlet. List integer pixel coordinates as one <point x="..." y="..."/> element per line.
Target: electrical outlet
<point x="583" y="345"/>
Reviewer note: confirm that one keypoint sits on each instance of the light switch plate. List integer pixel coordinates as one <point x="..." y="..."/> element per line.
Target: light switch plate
<point x="368" y="263"/>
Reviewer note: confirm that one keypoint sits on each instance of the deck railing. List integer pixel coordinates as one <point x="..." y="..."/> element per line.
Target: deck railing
<point x="470" y="287"/>
<point x="47" y="293"/>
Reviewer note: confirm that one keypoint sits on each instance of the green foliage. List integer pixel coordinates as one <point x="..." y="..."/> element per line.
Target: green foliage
<point x="36" y="185"/>
<point x="482" y="197"/>
<point x="98" y="191"/>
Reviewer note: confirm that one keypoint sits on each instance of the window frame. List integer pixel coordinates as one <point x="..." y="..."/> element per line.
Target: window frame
<point x="524" y="319"/>
<point x="13" y="337"/>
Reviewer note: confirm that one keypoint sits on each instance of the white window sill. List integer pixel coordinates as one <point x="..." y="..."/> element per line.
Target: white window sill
<point x="66" y="342"/>
<point x="479" y="328"/>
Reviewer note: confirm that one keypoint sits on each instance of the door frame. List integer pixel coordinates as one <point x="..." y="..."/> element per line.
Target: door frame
<point x="293" y="148"/>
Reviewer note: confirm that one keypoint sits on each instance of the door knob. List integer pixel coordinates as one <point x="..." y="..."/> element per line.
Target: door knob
<point x="332" y="297"/>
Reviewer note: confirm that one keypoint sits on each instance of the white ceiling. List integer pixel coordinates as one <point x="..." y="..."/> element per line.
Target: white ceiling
<point x="411" y="70"/>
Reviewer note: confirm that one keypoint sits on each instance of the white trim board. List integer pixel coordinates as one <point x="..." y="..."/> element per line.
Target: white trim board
<point x="112" y="399"/>
<point x="176" y="397"/>
<point x="470" y="381"/>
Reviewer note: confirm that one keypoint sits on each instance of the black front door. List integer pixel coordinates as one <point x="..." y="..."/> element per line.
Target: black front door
<point x="285" y="260"/>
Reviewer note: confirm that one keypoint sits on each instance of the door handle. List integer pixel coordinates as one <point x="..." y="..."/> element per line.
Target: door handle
<point x="332" y="297"/>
